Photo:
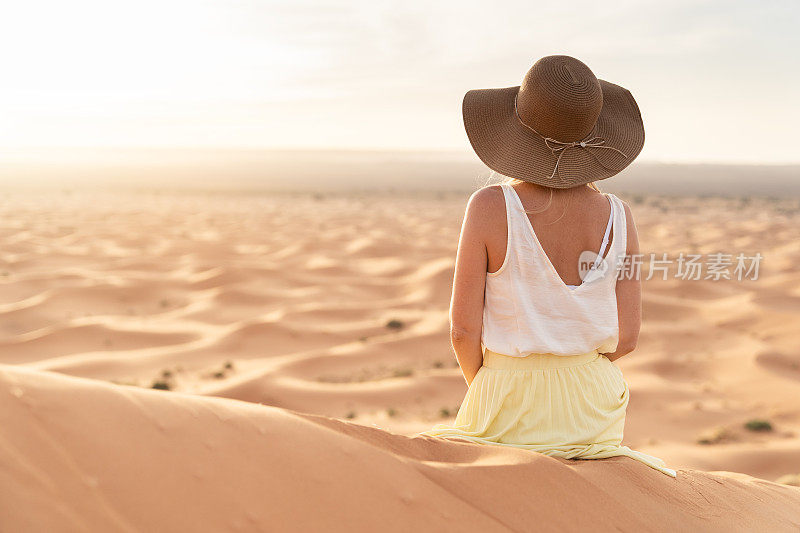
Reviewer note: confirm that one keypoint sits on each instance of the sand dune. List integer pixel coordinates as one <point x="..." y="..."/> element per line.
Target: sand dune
<point x="336" y="305"/>
<point x="86" y="455"/>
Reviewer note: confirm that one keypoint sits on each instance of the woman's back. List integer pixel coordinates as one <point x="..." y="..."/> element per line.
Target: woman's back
<point x="530" y="304"/>
<point x="566" y="222"/>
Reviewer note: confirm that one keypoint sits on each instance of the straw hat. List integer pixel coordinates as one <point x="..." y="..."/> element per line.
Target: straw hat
<point x="561" y="128"/>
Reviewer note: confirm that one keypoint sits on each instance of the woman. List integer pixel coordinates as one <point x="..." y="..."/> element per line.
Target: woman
<point x="543" y="297"/>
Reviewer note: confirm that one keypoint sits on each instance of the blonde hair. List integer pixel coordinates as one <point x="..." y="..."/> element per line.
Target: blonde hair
<point x="495" y="178"/>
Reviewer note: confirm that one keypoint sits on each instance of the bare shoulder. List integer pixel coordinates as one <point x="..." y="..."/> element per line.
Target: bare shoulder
<point x="487" y="197"/>
<point x="486" y="203"/>
<point x="486" y="211"/>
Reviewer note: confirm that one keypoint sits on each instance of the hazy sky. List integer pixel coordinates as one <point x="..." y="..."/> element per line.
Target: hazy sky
<point x="716" y="81"/>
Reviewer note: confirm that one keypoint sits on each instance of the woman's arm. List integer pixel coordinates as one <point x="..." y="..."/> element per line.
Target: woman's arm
<point x="629" y="297"/>
<point x="469" y="281"/>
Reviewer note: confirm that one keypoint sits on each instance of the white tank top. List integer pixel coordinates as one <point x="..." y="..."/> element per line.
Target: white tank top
<point x="529" y="309"/>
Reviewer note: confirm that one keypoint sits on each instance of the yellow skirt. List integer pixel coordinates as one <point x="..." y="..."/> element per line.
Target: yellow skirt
<point x="563" y="406"/>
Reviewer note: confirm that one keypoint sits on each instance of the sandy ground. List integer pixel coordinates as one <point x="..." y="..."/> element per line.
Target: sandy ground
<point x="88" y="456"/>
<point x="336" y="305"/>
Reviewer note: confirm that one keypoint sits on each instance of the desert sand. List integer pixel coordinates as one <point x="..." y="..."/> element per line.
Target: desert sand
<point x="88" y="456"/>
<point x="303" y="340"/>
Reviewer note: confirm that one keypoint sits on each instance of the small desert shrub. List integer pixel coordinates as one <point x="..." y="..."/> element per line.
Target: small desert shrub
<point x="391" y="411"/>
<point x="444" y="412"/>
<point x="438" y="364"/>
<point x="228" y="365"/>
<point x="161" y="384"/>
<point x="758" y="424"/>
<point x="394" y="324"/>
<point x="351" y="414"/>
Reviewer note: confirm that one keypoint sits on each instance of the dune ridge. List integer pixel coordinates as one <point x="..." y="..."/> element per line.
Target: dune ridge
<point x="86" y="455"/>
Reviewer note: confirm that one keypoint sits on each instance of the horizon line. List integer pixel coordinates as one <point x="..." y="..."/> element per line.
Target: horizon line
<point x="465" y="152"/>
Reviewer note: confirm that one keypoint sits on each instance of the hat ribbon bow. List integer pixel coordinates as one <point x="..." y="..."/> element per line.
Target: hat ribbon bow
<point x="561" y="147"/>
<point x="558" y="148"/>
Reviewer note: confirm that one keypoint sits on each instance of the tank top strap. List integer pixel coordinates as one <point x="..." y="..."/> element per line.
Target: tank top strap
<point x="609" y="225"/>
<point x="619" y="241"/>
<point x="511" y="202"/>
<point x="516" y="218"/>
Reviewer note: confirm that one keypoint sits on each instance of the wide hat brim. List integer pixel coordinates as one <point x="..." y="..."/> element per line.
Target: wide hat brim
<point x="507" y="146"/>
